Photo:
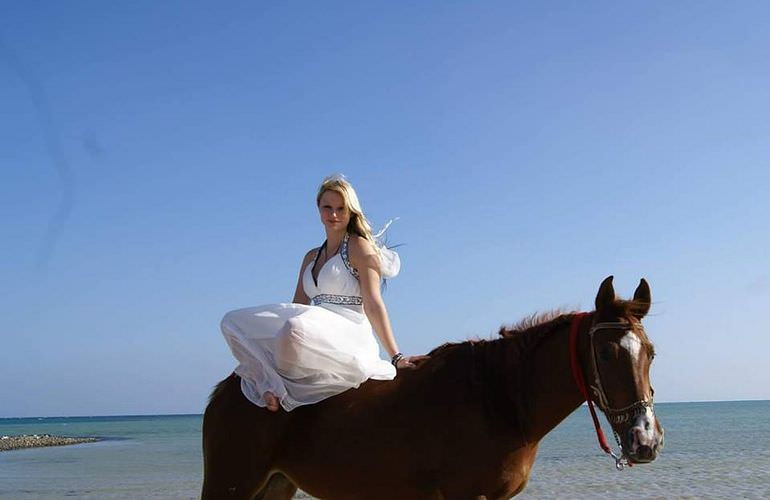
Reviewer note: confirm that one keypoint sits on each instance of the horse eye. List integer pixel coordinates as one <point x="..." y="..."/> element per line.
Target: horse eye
<point x="605" y="355"/>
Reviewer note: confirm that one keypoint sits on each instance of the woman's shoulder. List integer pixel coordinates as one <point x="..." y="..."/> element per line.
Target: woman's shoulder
<point x="360" y="245"/>
<point x="310" y="255"/>
<point x="363" y="253"/>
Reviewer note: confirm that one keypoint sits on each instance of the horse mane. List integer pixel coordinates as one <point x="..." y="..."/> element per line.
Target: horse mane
<point x="539" y="324"/>
<point x="535" y="325"/>
<point x="531" y="329"/>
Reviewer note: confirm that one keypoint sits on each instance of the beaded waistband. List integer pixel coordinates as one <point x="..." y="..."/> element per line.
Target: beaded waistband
<point x="328" y="298"/>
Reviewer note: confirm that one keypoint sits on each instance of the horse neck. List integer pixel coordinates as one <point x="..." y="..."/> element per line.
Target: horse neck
<point x="550" y="392"/>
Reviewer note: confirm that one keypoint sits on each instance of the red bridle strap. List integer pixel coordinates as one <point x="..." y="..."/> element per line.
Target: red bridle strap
<point x="577" y="374"/>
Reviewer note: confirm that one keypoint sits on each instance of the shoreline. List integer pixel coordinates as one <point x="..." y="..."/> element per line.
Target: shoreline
<point x="8" y="443"/>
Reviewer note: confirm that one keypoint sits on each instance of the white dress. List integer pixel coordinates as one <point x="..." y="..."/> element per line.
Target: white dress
<point x="306" y="353"/>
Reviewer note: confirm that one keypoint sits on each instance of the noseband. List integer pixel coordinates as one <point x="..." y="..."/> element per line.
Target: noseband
<point x="614" y="415"/>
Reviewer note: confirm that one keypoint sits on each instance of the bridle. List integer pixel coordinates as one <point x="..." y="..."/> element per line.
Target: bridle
<point x="614" y="415"/>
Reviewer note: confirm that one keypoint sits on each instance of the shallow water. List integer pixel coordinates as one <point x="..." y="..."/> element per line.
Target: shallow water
<point x="713" y="450"/>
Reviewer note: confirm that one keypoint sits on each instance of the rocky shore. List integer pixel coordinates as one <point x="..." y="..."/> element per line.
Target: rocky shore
<point x="38" y="440"/>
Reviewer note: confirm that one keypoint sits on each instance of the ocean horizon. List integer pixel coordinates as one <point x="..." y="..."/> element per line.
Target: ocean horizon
<point x="110" y="415"/>
<point x="713" y="449"/>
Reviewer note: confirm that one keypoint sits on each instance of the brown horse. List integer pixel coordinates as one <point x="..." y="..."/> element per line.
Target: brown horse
<point x="465" y="424"/>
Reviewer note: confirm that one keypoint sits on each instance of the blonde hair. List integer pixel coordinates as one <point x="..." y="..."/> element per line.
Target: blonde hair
<point x="358" y="223"/>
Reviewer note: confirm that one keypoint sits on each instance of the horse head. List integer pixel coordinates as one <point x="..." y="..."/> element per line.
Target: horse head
<point x="619" y="373"/>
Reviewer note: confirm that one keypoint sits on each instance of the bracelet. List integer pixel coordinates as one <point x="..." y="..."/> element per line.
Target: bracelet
<point x="396" y="358"/>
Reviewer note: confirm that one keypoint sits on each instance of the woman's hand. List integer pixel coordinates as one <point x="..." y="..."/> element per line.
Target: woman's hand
<point x="411" y="362"/>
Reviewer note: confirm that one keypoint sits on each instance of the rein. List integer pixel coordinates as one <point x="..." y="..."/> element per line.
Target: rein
<point x="613" y="415"/>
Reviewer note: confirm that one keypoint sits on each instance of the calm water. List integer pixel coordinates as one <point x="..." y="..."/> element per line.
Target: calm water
<point x="715" y="450"/>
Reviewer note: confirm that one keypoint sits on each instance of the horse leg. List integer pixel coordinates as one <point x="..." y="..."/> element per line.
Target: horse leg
<point x="225" y="478"/>
<point x="278" y="487"/>
<point x="229" y="468"/>
<point x="238" y="439"/>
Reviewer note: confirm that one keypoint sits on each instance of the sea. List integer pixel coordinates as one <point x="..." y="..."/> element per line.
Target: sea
<point x="712" y="450"/>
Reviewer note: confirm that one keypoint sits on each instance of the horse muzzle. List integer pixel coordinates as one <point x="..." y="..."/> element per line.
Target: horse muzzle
<point x="643" y="439"/>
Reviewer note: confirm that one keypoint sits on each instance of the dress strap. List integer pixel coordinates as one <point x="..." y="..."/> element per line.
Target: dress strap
<point x="315" y="263"/>
<point x="345" y="257"/>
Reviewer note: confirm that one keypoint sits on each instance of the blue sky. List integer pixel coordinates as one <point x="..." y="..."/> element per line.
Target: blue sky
<point x="159" y="163"/>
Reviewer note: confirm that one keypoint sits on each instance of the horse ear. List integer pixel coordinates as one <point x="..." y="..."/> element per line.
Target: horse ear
<point x="606" y="295"/>
<point x="643" y="298"/>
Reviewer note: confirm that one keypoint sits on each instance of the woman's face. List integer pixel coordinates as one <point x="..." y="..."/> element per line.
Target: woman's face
<point x="334" y="213"/>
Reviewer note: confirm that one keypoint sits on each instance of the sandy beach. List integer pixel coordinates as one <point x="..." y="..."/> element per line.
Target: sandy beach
<point x="8" y="443"/>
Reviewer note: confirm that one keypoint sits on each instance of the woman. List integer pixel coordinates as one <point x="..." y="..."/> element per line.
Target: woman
<point x="322" y="343"/>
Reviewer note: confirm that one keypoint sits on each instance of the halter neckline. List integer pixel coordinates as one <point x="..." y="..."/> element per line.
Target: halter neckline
<point x="340" y="249"/>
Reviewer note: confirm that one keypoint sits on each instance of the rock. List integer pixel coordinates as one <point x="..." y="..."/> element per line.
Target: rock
<point x="8" y="443"/>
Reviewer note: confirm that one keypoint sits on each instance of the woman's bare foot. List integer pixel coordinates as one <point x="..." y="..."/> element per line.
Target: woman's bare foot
<point x="271" y="402"/>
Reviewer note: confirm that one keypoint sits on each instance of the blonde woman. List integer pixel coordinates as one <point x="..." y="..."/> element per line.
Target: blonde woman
<point x="322" y="343"/>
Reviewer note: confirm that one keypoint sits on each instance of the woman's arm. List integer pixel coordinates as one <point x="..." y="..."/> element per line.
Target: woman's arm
<point x="300" y="297"/>
<point x="364" y="258"/>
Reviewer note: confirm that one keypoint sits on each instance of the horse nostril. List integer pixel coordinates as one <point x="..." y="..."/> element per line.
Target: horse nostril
<point x="647" y="425"/>
<point x="645" y="452"/>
